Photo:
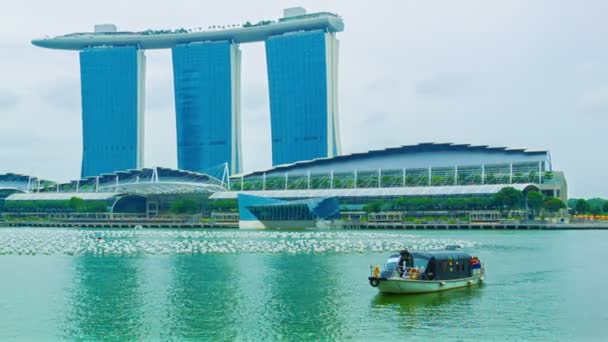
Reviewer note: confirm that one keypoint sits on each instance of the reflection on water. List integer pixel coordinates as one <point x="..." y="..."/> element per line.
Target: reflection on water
<point x="201" y="294"/>
<point x="412" y="304"/>
<point x="105" y="301"/>
<point x="305" y="292"/>
<point x="534" y="290"/>
<point x="429" y="310"/>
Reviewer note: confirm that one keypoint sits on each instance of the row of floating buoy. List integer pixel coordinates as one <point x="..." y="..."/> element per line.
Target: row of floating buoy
<point x="23" y="241"/>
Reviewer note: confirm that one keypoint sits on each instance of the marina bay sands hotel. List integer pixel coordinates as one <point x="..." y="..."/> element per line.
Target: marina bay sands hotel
<point x="302" y="63"/>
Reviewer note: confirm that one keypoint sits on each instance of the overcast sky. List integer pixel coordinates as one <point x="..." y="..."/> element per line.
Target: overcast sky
<point x="530" y="74"/>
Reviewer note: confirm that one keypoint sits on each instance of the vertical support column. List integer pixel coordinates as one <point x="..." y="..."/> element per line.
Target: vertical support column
<point x="379" y="178"/>
<point x="242" y="182"/>
<point x="308" y="181"/>
<point x="154" y="175"/>
<point x="331" y="179"/>
<point x="510" y="173"/>
<point x="483" y="174"/>
<point x="78" y="185"/>
<point x="355" y="182"/>
<point x="404" y="177"/>
<point x="430" y="176"/>
<point x="540" y="172"/>
<point x="456" y="175"/>
<point x="264" y="181"/>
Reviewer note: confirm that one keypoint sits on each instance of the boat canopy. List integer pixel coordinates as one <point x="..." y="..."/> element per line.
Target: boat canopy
<point x="439" y="265"/>
<point x="442" y="255"/>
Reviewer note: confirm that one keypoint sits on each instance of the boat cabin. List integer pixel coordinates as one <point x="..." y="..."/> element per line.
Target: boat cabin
<point x="431" y="265"/>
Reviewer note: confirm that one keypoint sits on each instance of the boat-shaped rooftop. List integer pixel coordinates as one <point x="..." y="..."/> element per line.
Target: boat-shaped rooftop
<point x="163" y="39"/>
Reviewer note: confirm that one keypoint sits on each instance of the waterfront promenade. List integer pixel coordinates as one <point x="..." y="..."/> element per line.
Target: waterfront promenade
<point x="343" y="225"/>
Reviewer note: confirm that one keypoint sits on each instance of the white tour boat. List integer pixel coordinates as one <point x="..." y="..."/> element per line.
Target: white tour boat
<point x="427" y="271"/>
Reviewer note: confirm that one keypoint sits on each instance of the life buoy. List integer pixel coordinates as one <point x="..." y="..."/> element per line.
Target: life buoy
<point x="414" y="273"/>
<point x="374" y="282"/>
<point x="376" y="271"/>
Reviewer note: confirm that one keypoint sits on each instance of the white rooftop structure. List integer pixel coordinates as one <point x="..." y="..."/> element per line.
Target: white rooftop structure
<point x="378" y="192"/>
<point x="105" y="28"/>
<point x="294" y="12"/>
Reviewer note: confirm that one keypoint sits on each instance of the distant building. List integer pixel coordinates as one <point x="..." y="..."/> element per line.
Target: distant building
<point x="302" y="72"/>
<point x="302" y="80"/>
<point x="313" y="192"/>
<point x="112" y="91"/>
<point x="427" y="169"/>
<point x="207" y="104"/>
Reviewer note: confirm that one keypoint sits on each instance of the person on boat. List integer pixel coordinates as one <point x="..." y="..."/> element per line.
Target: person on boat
<point x="405" y="261"/>
<point x="430" y="270"/>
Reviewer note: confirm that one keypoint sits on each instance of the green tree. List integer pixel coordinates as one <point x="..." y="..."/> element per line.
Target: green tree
<point x="184" y="206"/>
<point x="77" y="204"/>
<point x="582" y="207"/>
<point x="535" y="202"/>
<point x="224" y="205"/>
<point x="508" y="198"/>
<point x="372" y="207"/>
<point x="553" y="204"/>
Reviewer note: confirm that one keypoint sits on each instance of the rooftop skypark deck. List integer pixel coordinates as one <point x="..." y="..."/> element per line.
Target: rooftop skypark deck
<point x="162" y="39"/>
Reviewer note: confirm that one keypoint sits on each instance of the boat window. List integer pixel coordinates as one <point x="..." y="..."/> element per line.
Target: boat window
<point x="421" y="263"/>
<point x="390" y="266"/>
<point x="443" y="266"/>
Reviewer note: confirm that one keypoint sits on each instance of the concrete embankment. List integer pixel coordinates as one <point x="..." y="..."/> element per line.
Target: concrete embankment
<point x="117" y="224"/>
<point x="470" y="226"/>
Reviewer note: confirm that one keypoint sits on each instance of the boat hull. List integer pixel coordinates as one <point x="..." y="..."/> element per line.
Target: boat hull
<point x="408" y="286"/>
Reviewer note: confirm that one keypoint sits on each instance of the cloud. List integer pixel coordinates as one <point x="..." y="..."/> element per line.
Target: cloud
<point x="159" y="95"/>
<point x="255" y="97"/>
<point x="595" y="101"/>
<point x="8" y="99"/>
<point x="64" y="95"/>
<point x="444" y="85"/>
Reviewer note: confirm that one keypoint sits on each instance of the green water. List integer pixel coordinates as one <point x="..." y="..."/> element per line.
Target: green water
<point x="540" y="286"/>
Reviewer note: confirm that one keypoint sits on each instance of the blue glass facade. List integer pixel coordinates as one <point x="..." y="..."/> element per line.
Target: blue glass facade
<point x="258" y="212"/>
<point x="207" y="104"/>
<point x="112" y="109"/>
<point x="302" y="72"/>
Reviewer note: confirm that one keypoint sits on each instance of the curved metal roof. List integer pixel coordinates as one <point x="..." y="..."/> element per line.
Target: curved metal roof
<point x="422" y="147"/>
<point x="79" y="41"/>
<point x="146" y="181"/>
<point x="461" y="190"/>
<point x="20" y="182"/>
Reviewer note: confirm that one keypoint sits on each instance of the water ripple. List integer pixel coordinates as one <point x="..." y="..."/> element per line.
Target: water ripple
<point x="168" y="242"/>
